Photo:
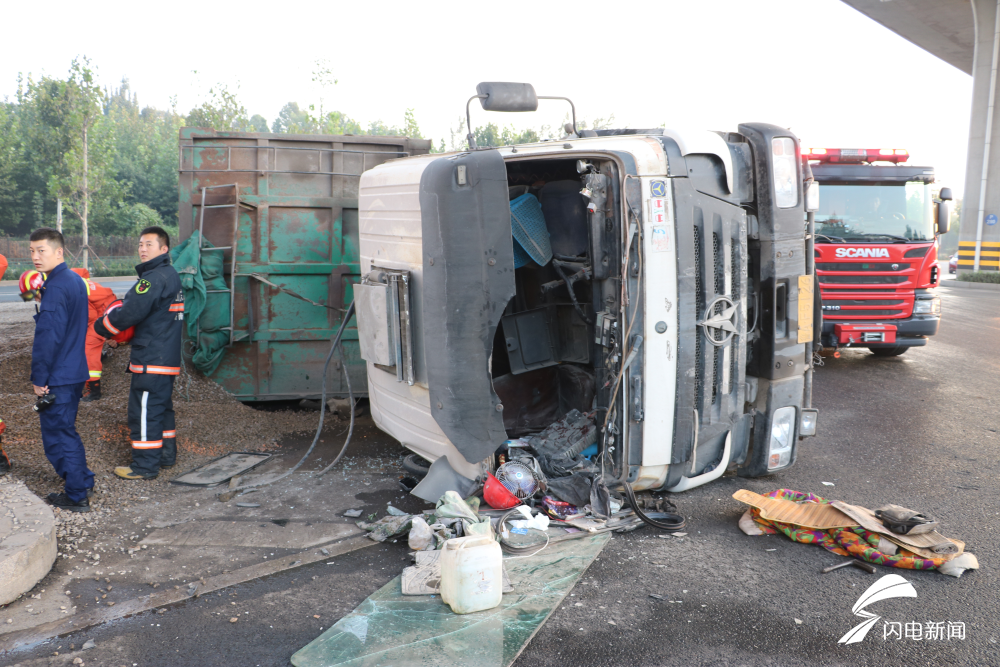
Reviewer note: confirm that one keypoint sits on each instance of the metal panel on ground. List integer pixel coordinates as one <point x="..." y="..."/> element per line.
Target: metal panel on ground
<point x="297" y="229"/>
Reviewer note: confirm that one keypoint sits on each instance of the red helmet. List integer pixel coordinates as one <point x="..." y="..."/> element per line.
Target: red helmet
<point x="122" y="336"/>
<point x="497" y="496"/>
<point x="30" y="282"/>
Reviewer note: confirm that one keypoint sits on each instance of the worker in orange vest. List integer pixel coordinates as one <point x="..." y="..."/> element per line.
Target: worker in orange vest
<point x="4" y="459"/>
<point x="99" y="298"/>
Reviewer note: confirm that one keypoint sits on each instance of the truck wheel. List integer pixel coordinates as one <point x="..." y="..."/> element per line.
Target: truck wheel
<point x="416" y="466"/>
<point x="887" y="351"/>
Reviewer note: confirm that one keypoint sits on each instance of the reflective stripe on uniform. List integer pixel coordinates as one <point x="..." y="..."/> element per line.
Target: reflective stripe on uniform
<point x="95" y="375"/>
<point x="164" y="370"/>
<point x="142" y="417"/>
<point x="157" y="370"/>
<point x="107" y="325"/>
<point x="169" y="434"/>
<point x="177" y="308"/>
<point x="147" y="444"/>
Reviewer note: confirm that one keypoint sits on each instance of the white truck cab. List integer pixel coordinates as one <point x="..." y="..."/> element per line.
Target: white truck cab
<point x="654" y="280"/>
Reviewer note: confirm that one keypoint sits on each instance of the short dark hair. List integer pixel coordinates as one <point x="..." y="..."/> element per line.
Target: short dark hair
<point x="53" y="236"/>
<point x="160" y="232"/>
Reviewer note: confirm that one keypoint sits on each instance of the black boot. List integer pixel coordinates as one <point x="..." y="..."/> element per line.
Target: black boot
<point x="62" y="501"/>
<point x="93" y="393"/>
<point x="4" y="460"/>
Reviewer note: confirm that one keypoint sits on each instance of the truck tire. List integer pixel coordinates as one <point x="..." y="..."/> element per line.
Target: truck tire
<point x="416" y="465"/>
<point x="888" y="351"/>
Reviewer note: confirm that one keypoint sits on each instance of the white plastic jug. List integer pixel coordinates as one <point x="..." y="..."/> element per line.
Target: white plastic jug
<point x="471" y="573"/>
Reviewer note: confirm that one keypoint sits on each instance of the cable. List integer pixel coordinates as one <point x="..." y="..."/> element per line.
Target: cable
<point x="350" y="396"/>
<point x="677" y="521"/>
<point x="510" y="548"/>
<point x="322" y="411"/>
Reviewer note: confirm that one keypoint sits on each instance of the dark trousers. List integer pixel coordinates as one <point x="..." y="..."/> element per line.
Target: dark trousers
<point x="63" y="446"/>
<point x="151" y="422"/>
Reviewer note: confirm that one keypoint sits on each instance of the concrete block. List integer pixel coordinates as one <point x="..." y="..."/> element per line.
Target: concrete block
<point x="28" y="545"/>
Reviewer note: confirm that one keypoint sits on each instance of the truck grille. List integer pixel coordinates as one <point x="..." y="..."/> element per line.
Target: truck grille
<point x="718" y="272"/>
<point x="862" y="280"/>
<point x="859" y="266"/>
<point x="711" y="263"/>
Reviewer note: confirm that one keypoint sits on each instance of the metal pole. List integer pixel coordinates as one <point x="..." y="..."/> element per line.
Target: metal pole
<point x="811" y="271"/>
<point x="986" y="145"/>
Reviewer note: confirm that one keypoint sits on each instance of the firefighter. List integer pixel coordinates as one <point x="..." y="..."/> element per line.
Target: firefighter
<point x="4" y="459"/>
<point x="99" y="298"/>
<point x="59" y="368"/>
<point x="155" y="307"/>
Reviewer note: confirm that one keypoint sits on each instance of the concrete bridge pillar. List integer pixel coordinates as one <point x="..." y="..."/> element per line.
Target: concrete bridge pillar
<point x="979" y="241"/>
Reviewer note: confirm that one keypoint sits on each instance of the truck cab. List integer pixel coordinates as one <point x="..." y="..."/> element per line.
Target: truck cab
<point x="653" y="280"/>
<point x="876" y="248"/>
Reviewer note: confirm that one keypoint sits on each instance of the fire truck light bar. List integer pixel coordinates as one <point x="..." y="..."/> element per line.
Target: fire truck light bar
<point x="857" y="155"/>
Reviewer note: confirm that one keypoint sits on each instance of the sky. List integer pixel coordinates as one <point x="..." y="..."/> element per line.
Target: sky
<point x="818" y="67"/>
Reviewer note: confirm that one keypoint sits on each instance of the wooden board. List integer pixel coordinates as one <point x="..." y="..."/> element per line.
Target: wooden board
<point x="807" y="515"/>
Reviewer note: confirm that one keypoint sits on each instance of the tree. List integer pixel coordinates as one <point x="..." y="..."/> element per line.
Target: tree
<point x="69" y="134"/>
<point x="145" y="160"/>
<point x="222" y="111"/>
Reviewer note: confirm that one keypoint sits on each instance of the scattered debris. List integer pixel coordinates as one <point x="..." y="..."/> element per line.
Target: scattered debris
<point x="827" y="484"/>
<point x="248" y="504"/>
<point x="89" y="644"/>
<point x="798" y="621"/>
<point x="850" y="530"/>
<point x="352" y="514"/>
<point x="657" y="597"/>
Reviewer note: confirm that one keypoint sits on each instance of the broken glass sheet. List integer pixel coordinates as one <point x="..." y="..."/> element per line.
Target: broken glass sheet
<point x="222" y="469"/>
<point x="392" y="629"/>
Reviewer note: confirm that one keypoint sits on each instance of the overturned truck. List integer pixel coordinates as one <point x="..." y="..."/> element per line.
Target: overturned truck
<point x="652" y="279"/>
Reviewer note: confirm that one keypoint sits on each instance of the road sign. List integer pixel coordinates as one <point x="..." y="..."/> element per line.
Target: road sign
<point x="991" y="219"/>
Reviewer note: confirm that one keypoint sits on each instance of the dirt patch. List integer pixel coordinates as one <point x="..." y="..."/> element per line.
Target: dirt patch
<point x="210" y="423"/>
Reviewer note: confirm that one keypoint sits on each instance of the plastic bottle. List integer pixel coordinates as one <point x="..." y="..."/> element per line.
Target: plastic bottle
<point x="471" y="574"/>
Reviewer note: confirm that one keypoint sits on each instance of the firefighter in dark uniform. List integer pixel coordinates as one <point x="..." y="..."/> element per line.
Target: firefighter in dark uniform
<point x="155" y="307"/>
<point x="59" y="368"/>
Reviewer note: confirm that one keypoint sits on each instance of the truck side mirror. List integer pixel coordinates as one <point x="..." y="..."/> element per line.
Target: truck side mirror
<point x="945" y="194"/>
<point x="497" y="96"/>
<point x="943" y="213"/>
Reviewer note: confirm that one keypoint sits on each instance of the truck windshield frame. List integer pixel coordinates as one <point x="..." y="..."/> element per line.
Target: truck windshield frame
<point x="875" y="212"/>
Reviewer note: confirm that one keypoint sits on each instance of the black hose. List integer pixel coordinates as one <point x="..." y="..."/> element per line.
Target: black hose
<point x="676" y="523"/>
<point x="350" y="396"/>
<point x="322" y="410"/>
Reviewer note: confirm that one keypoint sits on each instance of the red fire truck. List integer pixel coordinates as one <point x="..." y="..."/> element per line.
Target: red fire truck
<point x="876" y="235"/>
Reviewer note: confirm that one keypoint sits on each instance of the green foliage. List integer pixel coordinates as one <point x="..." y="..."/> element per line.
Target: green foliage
<point x="130" y="219"/>
<point x="979" y="276"/>
<point x="130" y="176"/>
<point x="222" y="111"/>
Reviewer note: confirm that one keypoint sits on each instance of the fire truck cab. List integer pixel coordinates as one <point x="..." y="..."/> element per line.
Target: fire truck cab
<point x="876" y="248"/>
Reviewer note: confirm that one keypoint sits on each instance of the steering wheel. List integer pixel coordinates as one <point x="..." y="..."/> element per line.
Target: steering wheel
<point x="898" y="216"/>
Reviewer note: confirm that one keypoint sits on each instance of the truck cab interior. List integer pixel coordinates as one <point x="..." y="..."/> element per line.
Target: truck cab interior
<point x="560" y="328"/>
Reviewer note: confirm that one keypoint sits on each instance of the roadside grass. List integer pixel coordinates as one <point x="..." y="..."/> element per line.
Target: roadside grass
<point x="111" y="266"/>
<point x="979" y="276"/>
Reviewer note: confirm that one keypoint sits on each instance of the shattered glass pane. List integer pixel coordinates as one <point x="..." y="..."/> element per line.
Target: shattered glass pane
<point x="392" y="629"/>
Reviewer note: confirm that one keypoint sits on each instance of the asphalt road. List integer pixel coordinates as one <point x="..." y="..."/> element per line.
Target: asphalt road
<point x="920" y="430"/>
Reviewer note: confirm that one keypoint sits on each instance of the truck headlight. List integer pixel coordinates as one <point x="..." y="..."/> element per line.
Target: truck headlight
<point x="784" y="172"/>
<point x="807" y="422"/>
<point x="927" y="306"/>
<point x="779" y="452"/>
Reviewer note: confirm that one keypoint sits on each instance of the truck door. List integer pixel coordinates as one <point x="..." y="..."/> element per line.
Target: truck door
<point x="468" y="278"/>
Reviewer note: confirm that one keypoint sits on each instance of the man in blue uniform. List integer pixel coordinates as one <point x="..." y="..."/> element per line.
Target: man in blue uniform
<point x="59" y="367"/>
<point x="155" y="307"/>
